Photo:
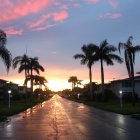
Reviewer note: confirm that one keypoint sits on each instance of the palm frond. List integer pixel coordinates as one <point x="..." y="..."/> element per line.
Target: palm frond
<point x="103" y="44"/>
<point x="6" y="57"/>
<point x="16" y="61"/>
<point x="137" y="48"/>
<point x="109" y="49"/>
<point x="121" y="46"/>
<point x="84" y="61"/>
<point x="129" y="41"/>
<point x="108" y="61"/>
<point x="3" y="38"/>
<point x="127" y="63"/>
<point x="115" y="57"/>
<point x="79" y="56"/>
<point x="22" y="68"/>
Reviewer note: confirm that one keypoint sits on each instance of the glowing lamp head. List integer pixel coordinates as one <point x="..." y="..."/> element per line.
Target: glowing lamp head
<point x="9" y="91"/>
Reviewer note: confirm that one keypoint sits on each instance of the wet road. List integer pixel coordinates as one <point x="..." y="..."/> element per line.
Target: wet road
<point x="61" y="119"/>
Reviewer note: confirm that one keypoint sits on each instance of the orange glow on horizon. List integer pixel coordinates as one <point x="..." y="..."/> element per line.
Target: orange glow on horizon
<point x="58" y="85"/>
<point x="58" y="77"/>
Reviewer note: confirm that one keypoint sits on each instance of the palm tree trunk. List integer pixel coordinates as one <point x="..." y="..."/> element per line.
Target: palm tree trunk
<point x="102" y="78"/>
<point x="26" y="84"/>
<point x="133" y="84"/>
<point x="72" y="85"/>
<point x="133" y="91"/>
<point x="90" y="77"/>
<point x="32" y="81"/>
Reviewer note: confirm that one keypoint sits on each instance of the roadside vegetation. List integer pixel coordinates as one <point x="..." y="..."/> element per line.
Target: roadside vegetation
<point x="20" y="103"/>
<point x="110" y="103"/>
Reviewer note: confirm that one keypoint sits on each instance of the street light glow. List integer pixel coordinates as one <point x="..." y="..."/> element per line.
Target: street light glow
<point x="120" y="98"/>
<point x="9" y="91"/>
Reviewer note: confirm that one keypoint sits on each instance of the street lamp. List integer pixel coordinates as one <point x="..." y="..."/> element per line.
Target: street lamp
<point x="78" y="95"/>
<point x="120" y="98"/>
<point x="9" y="92"/>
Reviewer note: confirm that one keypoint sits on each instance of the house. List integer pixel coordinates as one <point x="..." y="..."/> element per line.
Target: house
<point x="125" y="85"/>
<point x="98" y="88"/>
<point x="12" y="85"/>
<point x="23" y="89"/>
<point x="7" y="84"/>
<point x="3" y="83"/>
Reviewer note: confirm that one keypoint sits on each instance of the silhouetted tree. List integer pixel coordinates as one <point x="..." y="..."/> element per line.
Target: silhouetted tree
<point x="4" y="53"/>
<point x="129" y="54"/>
<point x="23" y="62"/>
<point x="87" y="58"/>
<point x="79" y="82"/>
<point x="105" y="53"/>
<point x="34" y="66"/>
<point x="73" y="80"/>
<point x="37" y="80"/>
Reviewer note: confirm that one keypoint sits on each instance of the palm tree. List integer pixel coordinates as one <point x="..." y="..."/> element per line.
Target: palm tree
<point x="79" y="82"/>
<point x="37" y="80"/>
<point x="23" y="62"/>
<point x="73" y="80"/>
<point x="4" y="53"/>
<point x="105" y="53"/>
<point x="129" y="53"/>
<point x="34" y="66"/>
<point x="3" y="38"/>
<point x="87" y="58"/>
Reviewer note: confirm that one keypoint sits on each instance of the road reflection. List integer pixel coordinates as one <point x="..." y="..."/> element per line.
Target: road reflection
<point x="120" y="119"/>
<point x="32" y="110"/>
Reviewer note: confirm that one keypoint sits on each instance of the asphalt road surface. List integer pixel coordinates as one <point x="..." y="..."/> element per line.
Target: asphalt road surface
<point x="61" y="119"/>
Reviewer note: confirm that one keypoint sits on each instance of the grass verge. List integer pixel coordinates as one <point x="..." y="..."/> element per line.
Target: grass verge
<point x="126" y="109"/>
<point x="16" y="107"/>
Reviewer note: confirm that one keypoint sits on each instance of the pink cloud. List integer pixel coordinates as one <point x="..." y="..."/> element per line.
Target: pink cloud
<point x="41" y="24"/>
<point x="64" y="6"/>
<point x="13" y="31"/>
<point x="11" y="11"/>
<point x="60" y="16"/>
<point x="76" y="4"/>
<point x="110" y="16"/>
<point x="114" y="3"/>
<point x="44" y="27"/>
<point x="93" y="1"/>
<point x="38" y="22"/>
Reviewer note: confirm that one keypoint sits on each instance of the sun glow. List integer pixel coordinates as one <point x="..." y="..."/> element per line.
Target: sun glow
<point x="57" y="85"/>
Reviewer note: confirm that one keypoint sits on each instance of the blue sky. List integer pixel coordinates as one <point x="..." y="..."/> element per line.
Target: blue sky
<point x="55" y="30"/>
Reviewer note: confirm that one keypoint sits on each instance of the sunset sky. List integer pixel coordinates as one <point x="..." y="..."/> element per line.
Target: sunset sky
<point x="55" y="30"/>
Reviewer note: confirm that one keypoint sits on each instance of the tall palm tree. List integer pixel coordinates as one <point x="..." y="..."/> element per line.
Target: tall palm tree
<point x="129" y="54"/>
<point x="105" y="53"/>
<point x="87" y="58"/>
<point x="73" y="80"/>
<point x="34" y="66"/>
<point x="4" y="53"/>
<point x="23" y="62"/>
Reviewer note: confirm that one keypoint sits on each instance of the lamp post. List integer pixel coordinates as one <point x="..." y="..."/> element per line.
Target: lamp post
<point x="78" y="95"/>
<point x="9" y="92"/>
<point x="120" y="98"/>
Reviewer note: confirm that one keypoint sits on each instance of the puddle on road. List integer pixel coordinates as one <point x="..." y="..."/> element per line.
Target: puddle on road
<point x="81" y="106"/>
